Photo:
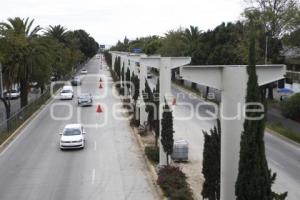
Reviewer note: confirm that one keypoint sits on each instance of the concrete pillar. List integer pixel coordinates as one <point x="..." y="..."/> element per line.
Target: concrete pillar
<point x="233" y="100"/>
<point x="113" y="59"/>
<point x="142" y="76"/>
<point x="164" y="89"/>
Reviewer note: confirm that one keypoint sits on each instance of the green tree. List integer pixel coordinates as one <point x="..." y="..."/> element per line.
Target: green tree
<point x="148" y="99"/>
<point x="156" y="122"/>
<point x="173" y="44"/>
<point x="87" y="45"/>
<point x="211" y="163"/>
<point x="254" y="179"/>
<point x="20" y="35"/>
<point x="57" y="32"/>
<point x="167" y="131"/>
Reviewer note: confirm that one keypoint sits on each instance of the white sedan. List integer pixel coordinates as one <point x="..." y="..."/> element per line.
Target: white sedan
<point x="72" y="137"/>
<point x="83" y="71"/>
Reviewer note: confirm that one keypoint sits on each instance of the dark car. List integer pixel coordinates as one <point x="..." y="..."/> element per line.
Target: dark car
<point x="85" y="99"/>
<point x="76" y="81"/>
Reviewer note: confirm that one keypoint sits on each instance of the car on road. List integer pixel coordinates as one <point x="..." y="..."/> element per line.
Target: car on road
<point x="72" y="137"/>
<point x="66" y="93"/>
<point x="12" y="94"/>
<point x="83" y="71"/>
<point x="76" y="81"/>
<point x="85" y="99"/>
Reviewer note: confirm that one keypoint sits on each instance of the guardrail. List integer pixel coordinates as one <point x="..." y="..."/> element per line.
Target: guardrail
<point x="8" y="126"/>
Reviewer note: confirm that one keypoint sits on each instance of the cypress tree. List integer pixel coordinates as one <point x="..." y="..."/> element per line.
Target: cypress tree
<point x="254" y="179"/>
<point x="148" y="99"/>
<point x="122" y="75"/>
<point x="167" y="132"/>
<point x="211" y="163"/>
<point x="156" y="118"/>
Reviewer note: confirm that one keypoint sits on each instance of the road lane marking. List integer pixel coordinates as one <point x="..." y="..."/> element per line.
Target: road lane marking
<point x="95" y="146"/>
<point x="276" y="163"/>
<point x="93" y="176"/>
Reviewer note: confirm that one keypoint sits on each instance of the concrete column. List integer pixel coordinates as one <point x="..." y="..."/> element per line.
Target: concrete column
<point x="113" y="59"/>
<point x="164" y="89"/>
<point x="122" y="61"/>
<point x="142" y="76"/>
<point x="233" y="100"/>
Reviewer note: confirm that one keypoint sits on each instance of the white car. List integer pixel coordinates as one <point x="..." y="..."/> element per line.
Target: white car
<point x="72" y="137"/>
<point x="83" y="71"/>
<point x="66" y="93"/>
<point x="12" y="94"/>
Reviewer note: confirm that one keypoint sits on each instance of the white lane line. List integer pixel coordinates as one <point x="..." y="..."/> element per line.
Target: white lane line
<point x="93" y="176"/>
<point x="95" y="146"/>
<point x="276" y="163"/>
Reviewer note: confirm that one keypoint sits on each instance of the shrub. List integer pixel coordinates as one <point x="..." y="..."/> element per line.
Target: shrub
<point x="174" y="183"/>
<point x="152" y="153"/>
<point x="291" y="107"/>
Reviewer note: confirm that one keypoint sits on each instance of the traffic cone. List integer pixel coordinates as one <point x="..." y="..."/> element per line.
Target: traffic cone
<point x="99" y="109"/>
<point x="100" y="86"/>
<point x="174" y="101"/>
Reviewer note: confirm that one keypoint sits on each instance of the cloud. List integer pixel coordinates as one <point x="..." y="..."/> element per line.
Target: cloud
<point x="109" y="21"/>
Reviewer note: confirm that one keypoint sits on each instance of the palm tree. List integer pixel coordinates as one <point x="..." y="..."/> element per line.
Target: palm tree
<point x="57" y="32"/>
<point x="20" y="34"/>
<point x="193" y="34"/>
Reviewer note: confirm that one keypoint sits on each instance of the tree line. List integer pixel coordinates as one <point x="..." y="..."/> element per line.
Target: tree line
<point x="30" y="53"/>
<point x="276" y="23"/>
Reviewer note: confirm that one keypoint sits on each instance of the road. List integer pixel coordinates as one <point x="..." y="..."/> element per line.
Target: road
<point x="110" y="167"/>
<point x="283" y="157"/>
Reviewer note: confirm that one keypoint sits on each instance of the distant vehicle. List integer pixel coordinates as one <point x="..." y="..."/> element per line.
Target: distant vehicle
<point x="12" y="94"/>
<point x="83" y="71"/>
<point x="98" y="56"/>
<point x="76" y="81"/>
<point x="72" y="137"/>
<point x="85" y="99"/>
<point x="67" y="92"/>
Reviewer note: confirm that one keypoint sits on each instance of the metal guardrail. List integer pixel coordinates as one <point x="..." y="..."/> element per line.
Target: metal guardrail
<point x="8" y="126"/>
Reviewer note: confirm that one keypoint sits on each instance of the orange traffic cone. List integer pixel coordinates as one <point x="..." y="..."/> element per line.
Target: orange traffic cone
<point x="100" y="86"/>
<point x="174" y="101"/>
<point x="99" y="109"/>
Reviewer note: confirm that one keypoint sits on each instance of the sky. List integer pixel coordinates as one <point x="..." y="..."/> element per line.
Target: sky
<point x="111" y="20"/>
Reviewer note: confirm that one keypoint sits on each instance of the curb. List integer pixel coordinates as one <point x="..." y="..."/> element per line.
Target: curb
<point x="286" y="139"/>
<point x="150" y="167"/>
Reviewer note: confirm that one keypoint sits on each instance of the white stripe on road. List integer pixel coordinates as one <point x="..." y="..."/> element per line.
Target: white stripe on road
<point x="95" y="146"/>
<point x="93" y="176"/>
<point x="276" y="163"/>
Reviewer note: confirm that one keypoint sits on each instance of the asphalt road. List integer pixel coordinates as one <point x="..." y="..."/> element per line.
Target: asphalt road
<point x="110" y="167"/>
<point x="283" y="157"/>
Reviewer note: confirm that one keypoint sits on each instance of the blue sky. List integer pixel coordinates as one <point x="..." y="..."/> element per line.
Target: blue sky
<point x="110" y="20"/>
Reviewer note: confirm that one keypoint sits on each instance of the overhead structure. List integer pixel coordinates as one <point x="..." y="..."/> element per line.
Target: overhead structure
<point x="139" y="64"/>
<point x="232" y="81"/>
